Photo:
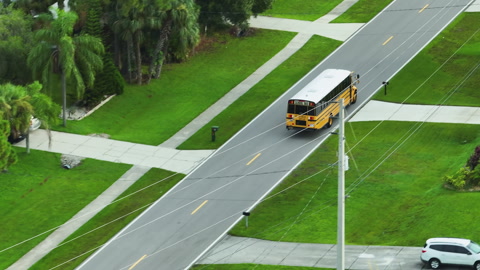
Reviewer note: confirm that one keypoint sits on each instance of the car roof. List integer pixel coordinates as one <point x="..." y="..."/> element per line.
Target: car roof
<point x="460" y="241"/>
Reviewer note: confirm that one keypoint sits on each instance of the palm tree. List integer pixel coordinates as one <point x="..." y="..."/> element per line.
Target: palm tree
<point x="125" y="29"/>
<point x="186" y="31"/>
<point x="19" y="103"/>
<point x="132" y="18"/>
<point x="44" y="108"/>
<point x="179" y="20"/>
<point x="77" y="58"/>
<point x="15" y="107"/>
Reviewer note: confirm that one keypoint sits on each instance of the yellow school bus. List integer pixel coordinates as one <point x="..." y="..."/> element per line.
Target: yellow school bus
<point x="317" y="103"/>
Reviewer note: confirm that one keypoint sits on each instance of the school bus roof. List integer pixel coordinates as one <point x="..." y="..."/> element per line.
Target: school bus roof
<point x="319" y="87"/>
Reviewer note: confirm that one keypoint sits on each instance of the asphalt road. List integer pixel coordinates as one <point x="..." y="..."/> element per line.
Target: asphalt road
<point x="178" y="229"/>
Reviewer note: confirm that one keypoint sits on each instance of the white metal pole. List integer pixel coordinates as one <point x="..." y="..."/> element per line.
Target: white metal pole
<point x="341" y="192"/>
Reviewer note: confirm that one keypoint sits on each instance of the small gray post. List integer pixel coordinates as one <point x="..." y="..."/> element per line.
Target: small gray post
<point x="385" y="86"/>
<point x="246" y="214"/>
<point x="214" y="129"/>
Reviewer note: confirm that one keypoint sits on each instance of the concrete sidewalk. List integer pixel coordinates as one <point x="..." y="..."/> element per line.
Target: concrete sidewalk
<point x="379" y="111"/>
<point x="182" y="161"/>
<point x="238" y="250"/>
<point x="474" y="7"/>
<point x="338" y="31"/>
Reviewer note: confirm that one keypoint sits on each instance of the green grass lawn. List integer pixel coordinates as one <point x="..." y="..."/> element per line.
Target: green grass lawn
<point x="395" y="189"/>
<point x="262" y="94"/>
<point x="37" y="195"/>
<point x="301" y="10"/>
<point x="153" y="113"/>
<point x="362" y="11"/>
<point x="441" y="69"/>
<point x="111" y="220"/>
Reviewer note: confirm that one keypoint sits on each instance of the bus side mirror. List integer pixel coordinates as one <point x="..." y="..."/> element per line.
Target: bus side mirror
<point x="358" y="76"/>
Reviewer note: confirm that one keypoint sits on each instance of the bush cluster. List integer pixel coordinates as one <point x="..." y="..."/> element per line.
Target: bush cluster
<point x="468" y="176"/>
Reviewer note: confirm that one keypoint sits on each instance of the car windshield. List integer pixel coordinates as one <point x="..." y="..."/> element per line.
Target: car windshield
<point x="474" y="247"/>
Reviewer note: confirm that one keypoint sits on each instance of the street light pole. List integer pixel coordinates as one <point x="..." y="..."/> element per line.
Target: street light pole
<point x="341" y="191"/>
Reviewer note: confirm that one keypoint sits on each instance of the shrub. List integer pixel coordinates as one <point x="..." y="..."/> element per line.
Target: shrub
<point x="458" y="180"/>
<point x="464" y="178"/>
<point x="472" y="162"/>
<point x="468" y="176"/>
<point x="108" y="82"/>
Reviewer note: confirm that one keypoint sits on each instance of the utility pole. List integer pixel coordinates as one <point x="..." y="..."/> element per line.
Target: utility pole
<point x="341" y="191"/>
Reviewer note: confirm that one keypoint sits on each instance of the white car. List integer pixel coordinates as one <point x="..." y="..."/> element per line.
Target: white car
<point x="34" y="123"/>
<point x="458" y="251"/>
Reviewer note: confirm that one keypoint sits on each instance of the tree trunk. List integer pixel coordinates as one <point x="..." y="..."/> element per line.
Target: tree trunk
<point x="116" y="51"/>
<point x="117" y="48"/>
<point x="156" y="59"/>
<point x="129" y="62"/>
<point x="27" y="141"/>
<point x="160" y="64"/>
<point x="139" y="59"/>
<point x="64" y="97"/>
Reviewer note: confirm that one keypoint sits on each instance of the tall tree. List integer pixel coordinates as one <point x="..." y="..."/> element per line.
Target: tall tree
<point x="19" y="103"/>
<point x="179" y="19"/>
<point x="260" y="6"/>
<point x="15" y="107"/>
<point x="76" y="58"/>
<point x="44" y="108"/>
<point x="15" y="43"/>
<point x="185" y="32"/>
<point x="108" y="81"/>
<point x="130" y="24"/>
<point x="236" y="12"/>
<point x="34" y="7"/>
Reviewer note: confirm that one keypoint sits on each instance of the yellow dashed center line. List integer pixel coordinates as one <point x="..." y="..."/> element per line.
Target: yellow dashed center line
<point x="423" y="8"/>
<point x="194" y="211"/>
<point x="254" y="158"/>
<point x="137" y="262"/>
<point x="386" y="41"/>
